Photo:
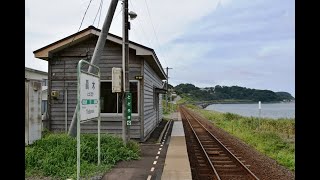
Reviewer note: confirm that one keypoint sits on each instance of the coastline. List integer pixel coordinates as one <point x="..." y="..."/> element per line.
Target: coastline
<point x="204" y="104"/>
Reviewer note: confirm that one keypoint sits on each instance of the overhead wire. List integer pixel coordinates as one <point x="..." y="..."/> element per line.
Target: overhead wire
<point x="99" y="10"/>
<point x="118" y="13"/>
<point x="80" y="23"/>
<point x="154" y="31"/>
<point x="144" y="34"/>
<point x="84" y="15"/>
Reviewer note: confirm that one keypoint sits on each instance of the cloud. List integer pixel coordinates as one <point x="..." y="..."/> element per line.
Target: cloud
<point x="56" y="21"/>
<point x="207" y="42"/>
<point x="250" y="43"/>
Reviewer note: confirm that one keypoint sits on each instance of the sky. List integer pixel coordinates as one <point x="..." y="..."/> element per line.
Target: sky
<point x="205" y="42"/>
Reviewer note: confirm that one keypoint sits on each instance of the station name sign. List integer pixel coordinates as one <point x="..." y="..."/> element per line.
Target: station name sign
<point x="89" y="96"/>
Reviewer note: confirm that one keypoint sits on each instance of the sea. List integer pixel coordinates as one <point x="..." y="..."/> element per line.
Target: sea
<point x="269" y="110"/>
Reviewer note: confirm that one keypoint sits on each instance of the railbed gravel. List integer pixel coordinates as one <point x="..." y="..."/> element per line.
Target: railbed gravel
<point x="262" y="166"/>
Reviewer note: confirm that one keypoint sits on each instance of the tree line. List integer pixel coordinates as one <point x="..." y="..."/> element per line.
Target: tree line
<point x="234" y="93"/>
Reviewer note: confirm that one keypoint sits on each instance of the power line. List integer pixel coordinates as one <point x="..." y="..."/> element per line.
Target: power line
<point x="84" y="15"/>
<point x="140" y="26"/>
<point x="81" y="22"/>
<point x="100" y="13"/>
<point x="154" y="30"/>
<point x="118" y="13"/>
<point x="99" y="10"/>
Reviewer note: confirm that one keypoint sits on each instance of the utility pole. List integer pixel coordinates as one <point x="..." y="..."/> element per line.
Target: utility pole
<point x="167" y="89"/>
<point x="125" y="70"/>
<point x="96" y="57"/>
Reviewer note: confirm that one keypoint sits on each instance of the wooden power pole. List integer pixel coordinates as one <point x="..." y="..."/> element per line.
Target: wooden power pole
<point x="125" y="70"/>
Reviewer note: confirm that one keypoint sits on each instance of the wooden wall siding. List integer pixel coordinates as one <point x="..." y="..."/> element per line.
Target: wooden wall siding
<point x="64" y="75"/>
<point x="150" y="80"/>
<point x="142" y="137"/>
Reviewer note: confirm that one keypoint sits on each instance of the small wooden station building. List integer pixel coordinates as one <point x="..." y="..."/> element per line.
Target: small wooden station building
<point x="63" y="57"/>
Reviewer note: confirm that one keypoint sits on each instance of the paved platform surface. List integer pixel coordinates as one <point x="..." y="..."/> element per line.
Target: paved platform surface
<point x="176" y="164"/>
<point x="151" y="163"/>
<point x="142" y="169"/>
<point x="174" y="116"/>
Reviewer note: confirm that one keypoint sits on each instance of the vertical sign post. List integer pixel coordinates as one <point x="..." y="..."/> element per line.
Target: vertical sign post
<point x="259" y="114"/>
<point x="171" y="100"/>
<point x="129" y="108"/>
<point x="88" y="103"/>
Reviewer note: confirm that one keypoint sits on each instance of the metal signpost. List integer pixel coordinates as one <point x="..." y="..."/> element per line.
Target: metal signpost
<point x="259" y="109"/>
<point x="259" y="114"/>
<point x="129" y="107"/>
<point x="88" y="103"/>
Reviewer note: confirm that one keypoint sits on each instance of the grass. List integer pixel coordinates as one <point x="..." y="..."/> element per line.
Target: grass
<point x="55" y="155"/>
<point x="171" y="107"/>
<point x="274" y="138"/>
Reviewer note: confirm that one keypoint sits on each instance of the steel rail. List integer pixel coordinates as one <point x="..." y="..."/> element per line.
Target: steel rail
<point x="236" y="160"/>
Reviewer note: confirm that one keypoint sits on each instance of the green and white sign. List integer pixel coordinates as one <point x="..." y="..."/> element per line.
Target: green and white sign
<point x="129" y="108"/>
<point x="89" y="96"/>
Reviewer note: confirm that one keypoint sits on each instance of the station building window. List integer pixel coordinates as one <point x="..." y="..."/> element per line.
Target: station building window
<point x="112" y="102"/>
<point x="44" y="106"/>
<point x="44" y="82"/>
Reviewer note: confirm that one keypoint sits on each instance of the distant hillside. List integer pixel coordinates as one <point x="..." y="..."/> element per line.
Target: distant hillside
<point x="233" y="93"/>
<point x="285" y="95"/>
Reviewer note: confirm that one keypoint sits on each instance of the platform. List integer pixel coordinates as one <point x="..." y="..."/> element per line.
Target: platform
<point x="177" y="162"/>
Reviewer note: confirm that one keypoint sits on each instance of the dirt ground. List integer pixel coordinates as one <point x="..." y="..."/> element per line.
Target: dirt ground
<point x="145" y="167"/>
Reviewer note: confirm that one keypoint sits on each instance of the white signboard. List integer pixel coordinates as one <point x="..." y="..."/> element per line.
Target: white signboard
<point x="89" y="97"/>
<point x="116" y="79"/>
<point x="259" y="104"/>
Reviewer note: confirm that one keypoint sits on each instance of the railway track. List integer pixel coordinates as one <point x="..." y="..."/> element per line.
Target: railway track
<point x="210" y="159"/>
